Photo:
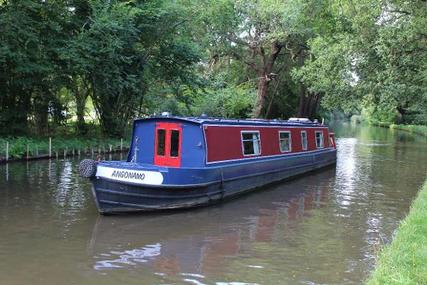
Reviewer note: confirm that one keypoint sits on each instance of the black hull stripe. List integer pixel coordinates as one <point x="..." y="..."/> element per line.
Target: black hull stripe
<point x="124" y="206"/>
<point x="179" y="196"/>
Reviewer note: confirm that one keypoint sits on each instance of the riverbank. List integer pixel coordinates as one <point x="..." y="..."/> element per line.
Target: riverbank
<point x="27" y="148"/>
<point x="404" y="261"/>
<point x="414" y="129"/>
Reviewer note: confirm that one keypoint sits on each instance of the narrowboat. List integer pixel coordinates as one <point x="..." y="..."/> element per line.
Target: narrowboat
<point x="184" y="162"/>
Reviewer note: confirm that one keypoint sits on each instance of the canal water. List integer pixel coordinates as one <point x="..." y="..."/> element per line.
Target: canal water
<point x="322" y="228"/>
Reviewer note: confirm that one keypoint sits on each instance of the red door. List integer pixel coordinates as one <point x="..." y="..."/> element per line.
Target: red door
<point x="168" y="140"/>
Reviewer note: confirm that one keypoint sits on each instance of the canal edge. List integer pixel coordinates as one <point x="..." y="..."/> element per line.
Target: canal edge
<point x="402" y="262"/>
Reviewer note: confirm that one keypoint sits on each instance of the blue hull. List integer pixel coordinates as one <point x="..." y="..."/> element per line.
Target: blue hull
<point x="189" y="187"/>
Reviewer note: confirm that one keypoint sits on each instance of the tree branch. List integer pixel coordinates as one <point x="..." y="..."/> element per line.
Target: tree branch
<point x="251" y="64"/>
<point x="400" y="12"/>
<point x="233" y="38"/>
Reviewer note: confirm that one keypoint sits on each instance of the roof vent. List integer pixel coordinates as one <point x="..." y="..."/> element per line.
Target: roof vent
<point x="166" y="114"/>
<point x="204" y="116"/>
<point x="304" y="120"/>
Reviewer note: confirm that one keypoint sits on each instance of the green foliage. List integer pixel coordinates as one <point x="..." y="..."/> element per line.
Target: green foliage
<point x="213" y="97"/>
<point x="31" y="34"/>
<point x="330" y="72"/>
<point x="108" y="53"/>
<point x="134" y="58"/>
<point x="267" y="38"/>
<point x="378" y="112"/>
<point x="229" y="102"/>
<point x="112" y="51"/>
<point x="377" y="63"/>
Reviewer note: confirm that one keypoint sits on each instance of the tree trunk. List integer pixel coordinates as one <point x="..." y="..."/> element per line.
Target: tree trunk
<point x="80" y="111"/>
<point x="308" y="104"/>
<point x="264" y="79"/>
<point x="314" y="105"/>
<point x="261" y="96"/>
<point x="41" y="108"/>
<point x="81" y="92"/>
<point x="302" y="103"/>
<point x="112" y="117"/>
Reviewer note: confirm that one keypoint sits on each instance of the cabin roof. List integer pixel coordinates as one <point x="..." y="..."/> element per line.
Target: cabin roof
<point x="223" y="121"/>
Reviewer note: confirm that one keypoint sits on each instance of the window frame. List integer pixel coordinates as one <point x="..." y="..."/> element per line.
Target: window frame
<point x="242" y="142"/>
<point x="158" y="141"/>
<point x="306" y="140"/>
<point x="178" y="151"/>
<point x="290" y="141"/>
<point x="322" y="139"/>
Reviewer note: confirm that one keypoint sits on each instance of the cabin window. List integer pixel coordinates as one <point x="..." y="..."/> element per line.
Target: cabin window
<point x="174" y="152"/>
<point x="285" y="141"/>
<point x="304" y="140"/>
<point x="251" y="143"/>
<point x="319" y="139"/>
<point x="161" y="138"/>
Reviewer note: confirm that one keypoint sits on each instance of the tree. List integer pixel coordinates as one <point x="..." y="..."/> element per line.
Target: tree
<point x="121" y="48"/>
<point x="374" y="60"/>
<point x="30" y="35"/>
<point x="270" y="37"/>
<point x="253" y="32"/>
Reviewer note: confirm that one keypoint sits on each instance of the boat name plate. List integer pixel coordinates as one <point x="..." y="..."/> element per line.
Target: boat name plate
<point x="128" y="175"/>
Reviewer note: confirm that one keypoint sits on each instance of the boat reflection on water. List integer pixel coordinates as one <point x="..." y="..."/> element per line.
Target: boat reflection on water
<point x="200" y="242"/>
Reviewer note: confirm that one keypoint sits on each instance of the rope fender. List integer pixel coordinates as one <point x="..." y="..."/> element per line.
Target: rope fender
<point x="87" y="168"/>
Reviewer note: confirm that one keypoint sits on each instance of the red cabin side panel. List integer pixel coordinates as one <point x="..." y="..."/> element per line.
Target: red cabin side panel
<point x="224" y="142"/>
<point x="311" y="139"/>
<point x="326" y="138"/>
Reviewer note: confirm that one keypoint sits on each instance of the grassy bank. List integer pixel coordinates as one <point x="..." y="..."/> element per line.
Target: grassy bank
<point x="415" y="129"/>
<point x="20" y="147"/>
<point x="404" y="261"/>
